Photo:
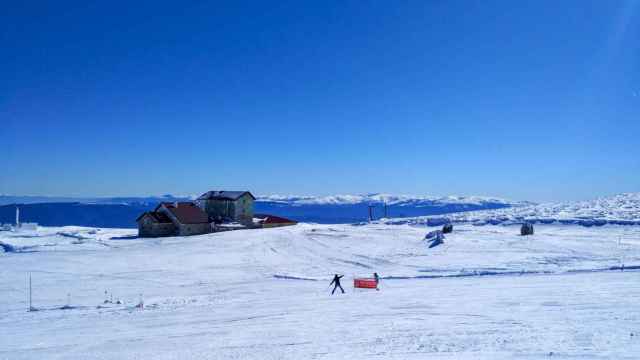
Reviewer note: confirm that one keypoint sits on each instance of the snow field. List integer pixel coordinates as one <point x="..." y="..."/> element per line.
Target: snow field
<point x="264" y="294"/>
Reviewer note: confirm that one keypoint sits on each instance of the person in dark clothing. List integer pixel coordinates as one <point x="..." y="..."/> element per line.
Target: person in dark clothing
<point x="336" y="281"/>
<point x="377" y="278"/>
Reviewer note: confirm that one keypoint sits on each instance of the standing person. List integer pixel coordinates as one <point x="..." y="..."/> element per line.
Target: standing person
<point x="377" y="278"/>
<point x="336" y="280"/>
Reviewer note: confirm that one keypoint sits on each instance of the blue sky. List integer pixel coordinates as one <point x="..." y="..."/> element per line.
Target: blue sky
<point x="535" y="100"/>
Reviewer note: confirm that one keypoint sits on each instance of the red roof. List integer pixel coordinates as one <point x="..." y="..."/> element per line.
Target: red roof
<point x="186" y="212"/>
<point x="272" y="219"/>
<point x="160" y="217"/>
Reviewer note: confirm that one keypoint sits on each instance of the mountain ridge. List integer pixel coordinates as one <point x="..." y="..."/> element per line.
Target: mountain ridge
<point x="620" y="209"/>
<point x="122" y="211"/>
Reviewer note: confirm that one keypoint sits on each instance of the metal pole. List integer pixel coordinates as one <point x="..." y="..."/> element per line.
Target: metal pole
<point x="30" y="303"/>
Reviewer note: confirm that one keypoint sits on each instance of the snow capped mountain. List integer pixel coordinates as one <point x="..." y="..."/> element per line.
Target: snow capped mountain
<point x="355" y="208"/>
<point x="400" y="209"/>
<point x="623" y="209"/>
<point x="122" y="211"/>
<point x="397" y="200"/>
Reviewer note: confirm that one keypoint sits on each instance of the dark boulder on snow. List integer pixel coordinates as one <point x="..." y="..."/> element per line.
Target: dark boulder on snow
<point x="7" y="247"/>
<point x="526" y="229"/>
<point x="434" y="238"/>
<point x="433" y="234"/>
<point x="435" y="242"/>
<point x="447" y="228"/>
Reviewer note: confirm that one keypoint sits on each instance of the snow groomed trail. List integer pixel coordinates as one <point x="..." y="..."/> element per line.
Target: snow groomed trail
<point x="485" y="293"/>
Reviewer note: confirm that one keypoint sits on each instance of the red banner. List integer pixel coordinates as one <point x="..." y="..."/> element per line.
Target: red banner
<point x="365" y="283"/>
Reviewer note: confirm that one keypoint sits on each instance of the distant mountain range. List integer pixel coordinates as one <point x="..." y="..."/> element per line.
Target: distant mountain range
<point x="122" y="211"/>
<point x="11" y="199"/>
<point x="622" y="209"/>
<point x="354" y="208"/>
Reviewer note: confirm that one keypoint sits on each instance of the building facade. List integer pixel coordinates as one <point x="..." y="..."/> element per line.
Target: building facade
<point x="153" y="224"/>
<point x="169" y="219"/>
<point x="188" y="218"/>
<point x="228" y="205"/>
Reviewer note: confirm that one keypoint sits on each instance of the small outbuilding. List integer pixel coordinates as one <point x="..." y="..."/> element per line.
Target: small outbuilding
<point x="526" y="229"/>
<point x="168" y="219"/>
<point x="188" y="218"/>
<point x="154" y="224"/>
<point x="269" y="221"/>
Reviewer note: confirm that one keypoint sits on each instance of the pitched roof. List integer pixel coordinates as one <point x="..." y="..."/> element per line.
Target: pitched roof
<point x="160" y="217"/>
<point x="272" y="219"/>
<point x="156" y="216"/>
<point x="224" y="195"/>
<point x="186" y="212"/>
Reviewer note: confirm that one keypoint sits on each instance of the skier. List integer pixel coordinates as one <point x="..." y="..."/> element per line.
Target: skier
<point x="336" y="280"/>
<point x="377" y="278"/>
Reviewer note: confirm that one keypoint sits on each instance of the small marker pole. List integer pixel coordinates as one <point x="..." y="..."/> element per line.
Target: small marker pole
<point x="30" y="302"/>
<point x="621" y="253"/>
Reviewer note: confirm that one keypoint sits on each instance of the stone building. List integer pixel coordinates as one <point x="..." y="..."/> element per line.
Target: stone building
<point x="188" y="218"/>
<point x="154" y="224"/>
<point x="180" y="218"/>
<point x="228" y="205"/>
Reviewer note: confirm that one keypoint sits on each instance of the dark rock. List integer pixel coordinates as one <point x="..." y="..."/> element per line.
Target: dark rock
<point x="526" y="229"/>
<point x="7" y="247"/>
<point x="435" y="242"/>
<point x="435" y="238"/>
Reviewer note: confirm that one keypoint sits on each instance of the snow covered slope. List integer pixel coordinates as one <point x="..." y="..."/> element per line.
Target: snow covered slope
<point x="623" y="209"/>
<point x="486" y="293"/>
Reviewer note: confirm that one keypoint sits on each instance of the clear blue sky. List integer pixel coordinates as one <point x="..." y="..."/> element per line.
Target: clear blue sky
<point x="536" y="100"/>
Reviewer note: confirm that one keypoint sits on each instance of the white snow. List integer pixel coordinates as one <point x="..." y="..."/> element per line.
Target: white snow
<point x="623" y="209"/>
<point x="486" y="293"/>
<point x="400" y="200"/>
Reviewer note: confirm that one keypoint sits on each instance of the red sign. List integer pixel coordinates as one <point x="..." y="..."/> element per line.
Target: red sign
<point x="365" y="283"/>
